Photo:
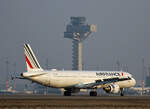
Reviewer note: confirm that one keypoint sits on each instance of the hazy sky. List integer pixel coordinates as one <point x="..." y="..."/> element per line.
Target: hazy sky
<point x="123" y="33"/>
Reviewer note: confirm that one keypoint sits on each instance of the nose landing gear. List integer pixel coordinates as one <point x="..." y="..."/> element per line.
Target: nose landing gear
<point x="121" y="92"/>
<point x="67" y="93"/>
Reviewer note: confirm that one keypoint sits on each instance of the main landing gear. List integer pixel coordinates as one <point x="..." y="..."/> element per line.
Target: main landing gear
<point x="121" y="92"/>
<point x="93" y="93"/>
<point x="67" y="93"/>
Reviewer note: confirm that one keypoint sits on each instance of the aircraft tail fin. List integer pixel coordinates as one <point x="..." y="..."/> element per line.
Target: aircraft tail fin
<point x="31" y="61"/>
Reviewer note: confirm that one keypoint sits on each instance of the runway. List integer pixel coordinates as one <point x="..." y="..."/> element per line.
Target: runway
<point x="73" y="102"/>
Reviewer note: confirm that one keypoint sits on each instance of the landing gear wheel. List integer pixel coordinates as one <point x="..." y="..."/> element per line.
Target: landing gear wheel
<point x="93" y="93"/>
<point x="121" y="92"/>
<point x="67" y="93"/>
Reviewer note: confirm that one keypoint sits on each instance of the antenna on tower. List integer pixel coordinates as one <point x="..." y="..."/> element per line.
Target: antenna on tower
<point x="7" y="72"/>
<point x="14" y="65"/>
<point x="143" y="75"/>
<point x="118" y="65"/>
<point x="47" y="63"/>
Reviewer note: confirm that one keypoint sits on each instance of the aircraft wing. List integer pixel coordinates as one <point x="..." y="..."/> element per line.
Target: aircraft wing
<point x="100" y="83"/>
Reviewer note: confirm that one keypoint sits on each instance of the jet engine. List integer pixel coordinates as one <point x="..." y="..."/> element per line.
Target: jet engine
<point x="112" y="88"/>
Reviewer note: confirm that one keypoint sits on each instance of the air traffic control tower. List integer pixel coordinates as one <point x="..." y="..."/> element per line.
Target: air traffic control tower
<point x="78" y="31"/>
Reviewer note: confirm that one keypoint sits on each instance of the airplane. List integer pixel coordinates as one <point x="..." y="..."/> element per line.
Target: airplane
<point x="141" y="89"/>
<point x="8" y="91"/>
<point x="73" y="81"/>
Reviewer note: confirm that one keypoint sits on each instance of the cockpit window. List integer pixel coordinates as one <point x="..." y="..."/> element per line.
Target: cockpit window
<point x="129" y="78"/>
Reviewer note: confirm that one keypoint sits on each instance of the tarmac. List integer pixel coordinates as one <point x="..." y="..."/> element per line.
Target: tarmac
<point x="73" y="102"/>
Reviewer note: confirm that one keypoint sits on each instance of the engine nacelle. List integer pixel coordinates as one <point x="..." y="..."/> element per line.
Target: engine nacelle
<point x="112" y="88"/>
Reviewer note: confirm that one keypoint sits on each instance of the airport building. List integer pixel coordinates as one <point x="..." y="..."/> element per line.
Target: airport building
<point x="78" y="30"/>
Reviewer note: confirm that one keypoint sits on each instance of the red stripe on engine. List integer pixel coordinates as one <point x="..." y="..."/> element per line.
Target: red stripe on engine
<point x="30" y="65"/>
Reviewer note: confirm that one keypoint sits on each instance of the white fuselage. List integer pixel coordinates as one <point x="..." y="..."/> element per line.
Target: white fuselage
<point x="64" y="79"/>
